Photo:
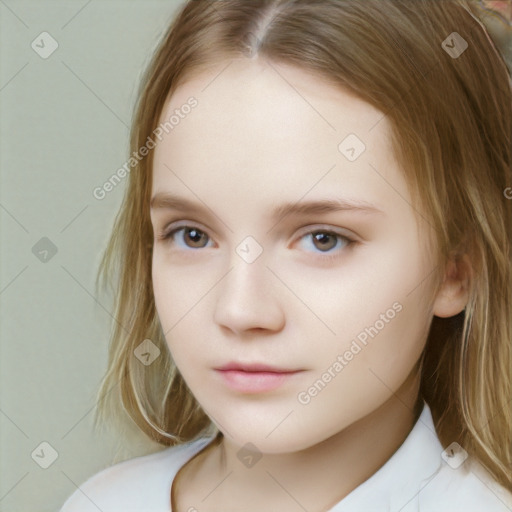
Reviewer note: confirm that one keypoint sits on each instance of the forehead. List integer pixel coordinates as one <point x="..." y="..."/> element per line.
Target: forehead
<point x="278" y="129"/>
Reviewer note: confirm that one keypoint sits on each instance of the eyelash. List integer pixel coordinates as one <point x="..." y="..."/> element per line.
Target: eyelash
<point x="168" y="234"/>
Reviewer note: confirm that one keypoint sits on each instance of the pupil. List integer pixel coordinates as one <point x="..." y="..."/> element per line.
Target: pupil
<point x="195" y="235"/>
<point x="323" y="238"/>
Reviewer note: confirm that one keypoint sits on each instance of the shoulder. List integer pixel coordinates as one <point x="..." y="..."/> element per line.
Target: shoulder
<point x="468" y="487"/>
<point x="421" y="475"/>
<point x="141" y="484"/>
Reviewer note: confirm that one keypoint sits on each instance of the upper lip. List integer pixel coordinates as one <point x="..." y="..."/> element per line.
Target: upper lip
<point x="254" y="367"/>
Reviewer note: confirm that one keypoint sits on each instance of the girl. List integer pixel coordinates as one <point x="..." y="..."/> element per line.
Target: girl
<point x="313" y="264"/>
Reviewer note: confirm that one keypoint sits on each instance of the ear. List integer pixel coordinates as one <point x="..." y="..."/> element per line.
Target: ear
<point x="453" y="294"/>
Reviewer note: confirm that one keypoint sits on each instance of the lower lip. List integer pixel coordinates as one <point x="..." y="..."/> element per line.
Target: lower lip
<point x="254" y="382"/>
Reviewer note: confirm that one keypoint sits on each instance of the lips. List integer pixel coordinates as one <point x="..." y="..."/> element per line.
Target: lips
<point x="254" y="367"/>
<point x="254" y="378"/>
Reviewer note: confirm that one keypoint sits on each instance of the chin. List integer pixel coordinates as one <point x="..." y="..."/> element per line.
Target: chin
<point x="268" y="435"/>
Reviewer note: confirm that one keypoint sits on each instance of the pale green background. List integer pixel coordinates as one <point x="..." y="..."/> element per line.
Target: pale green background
<point x="64" y="130"/>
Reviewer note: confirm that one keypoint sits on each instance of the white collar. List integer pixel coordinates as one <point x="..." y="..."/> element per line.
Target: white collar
<point x="397" y="484"/>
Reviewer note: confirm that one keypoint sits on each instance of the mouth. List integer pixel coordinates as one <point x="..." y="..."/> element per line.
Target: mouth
<point x="254" y="378"/>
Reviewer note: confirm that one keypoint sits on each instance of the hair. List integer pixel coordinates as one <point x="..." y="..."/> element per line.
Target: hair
<point x="451" y="121"/>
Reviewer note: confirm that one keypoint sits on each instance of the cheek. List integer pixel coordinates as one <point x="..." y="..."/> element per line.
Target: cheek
<point x="178" y="290"/>
<point x="352" y="296"/>
<point x="390" y="323"/>
<point x="170" y="301"/>
<point x="182" y="299"/>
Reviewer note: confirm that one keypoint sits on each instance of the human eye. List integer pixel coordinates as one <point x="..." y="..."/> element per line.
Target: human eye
<point x="325" y="242"/>
<point x="185" y="237"/>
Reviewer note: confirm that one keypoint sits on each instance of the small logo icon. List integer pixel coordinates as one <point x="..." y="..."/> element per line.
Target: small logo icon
<point x="249" y="249"/>
<point x="44" y="455"/>
<point x="454" y="455"/>
<point x="44" y="45"/>
<point x="249" y="455"/>
<point x="146" y="352"/>
<point x="44" y="250"/>
<point x="454" y="45"/>
<point x="351" y="147"/>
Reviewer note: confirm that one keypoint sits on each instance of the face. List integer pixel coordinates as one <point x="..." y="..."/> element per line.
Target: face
<point x="333" y="295"/>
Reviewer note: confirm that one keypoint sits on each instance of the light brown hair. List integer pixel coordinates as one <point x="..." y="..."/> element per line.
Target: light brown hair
<point x="451" y="122"/>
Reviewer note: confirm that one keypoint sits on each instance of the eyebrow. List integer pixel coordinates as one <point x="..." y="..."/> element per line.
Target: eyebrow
<point x="169" y="201"/>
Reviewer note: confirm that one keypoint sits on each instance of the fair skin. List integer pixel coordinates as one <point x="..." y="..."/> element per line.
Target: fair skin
<point x="263" y="135"/>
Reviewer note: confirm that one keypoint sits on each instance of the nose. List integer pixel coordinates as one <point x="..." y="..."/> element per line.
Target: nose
<point x="247" y="300"/>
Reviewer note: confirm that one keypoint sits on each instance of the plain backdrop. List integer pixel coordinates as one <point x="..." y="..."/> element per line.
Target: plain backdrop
<point x="64" y="127"/>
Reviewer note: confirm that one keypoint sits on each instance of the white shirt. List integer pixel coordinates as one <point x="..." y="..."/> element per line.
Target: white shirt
<point x="419" y="476"/>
